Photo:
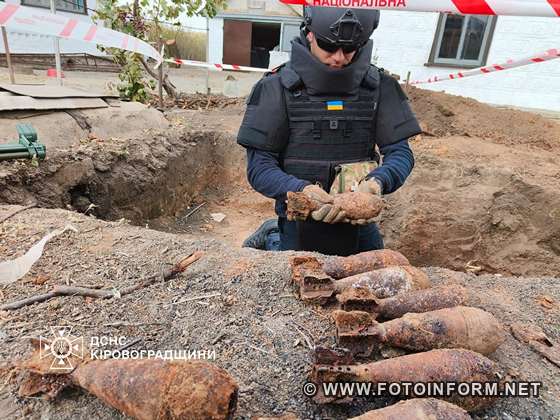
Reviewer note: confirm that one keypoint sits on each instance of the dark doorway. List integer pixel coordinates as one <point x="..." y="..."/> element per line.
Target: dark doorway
<point x="265" y="37"/>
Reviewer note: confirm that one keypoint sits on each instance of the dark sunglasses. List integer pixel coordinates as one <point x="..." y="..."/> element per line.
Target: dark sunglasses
<point x="332" y="47"/>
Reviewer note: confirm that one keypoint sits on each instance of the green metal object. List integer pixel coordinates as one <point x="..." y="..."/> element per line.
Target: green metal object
<point x="27" y="148"/>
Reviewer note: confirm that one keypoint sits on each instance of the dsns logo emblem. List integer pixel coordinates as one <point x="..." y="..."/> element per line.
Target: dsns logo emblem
<point x="61" y="346"/>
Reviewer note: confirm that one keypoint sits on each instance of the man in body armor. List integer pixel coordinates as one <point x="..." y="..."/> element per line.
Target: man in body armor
<point x="319" y="116"/>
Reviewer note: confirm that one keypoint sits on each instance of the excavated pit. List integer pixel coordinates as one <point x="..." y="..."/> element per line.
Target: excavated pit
<point x="482" y="198"/>
<point x="149" y="176"/>
<point x="143" y="180"/>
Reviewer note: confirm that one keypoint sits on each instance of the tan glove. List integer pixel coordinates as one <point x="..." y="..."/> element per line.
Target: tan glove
<point x="328" y="212"/>
<point x="316" y="193"/>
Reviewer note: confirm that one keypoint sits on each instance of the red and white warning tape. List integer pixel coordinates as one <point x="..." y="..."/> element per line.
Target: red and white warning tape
<point x="509" y="64"/>
<point x="464" y="7"/>
<point x="215" y="67"/>
<point x="31" y="19"/>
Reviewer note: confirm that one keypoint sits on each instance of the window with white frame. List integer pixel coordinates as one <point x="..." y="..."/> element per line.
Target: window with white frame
<point x="76" y="6"/>
<point x="462" y="41"/>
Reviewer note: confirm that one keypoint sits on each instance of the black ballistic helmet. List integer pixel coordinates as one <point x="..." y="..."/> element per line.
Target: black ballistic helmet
<point x="342" y="28"/>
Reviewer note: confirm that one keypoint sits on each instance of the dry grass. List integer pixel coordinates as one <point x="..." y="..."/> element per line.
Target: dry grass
<point x="189" y="45"/>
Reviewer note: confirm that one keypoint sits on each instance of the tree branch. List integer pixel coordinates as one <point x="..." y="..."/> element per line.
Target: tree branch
<point x="17" y="211"/>
<point x="167" y="85"/>
<point x="62" y="290"/>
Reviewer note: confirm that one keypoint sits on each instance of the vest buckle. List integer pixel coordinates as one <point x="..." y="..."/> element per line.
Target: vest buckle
<point x="347" y="128"/>
<point x="333" y="124"/>
<point x="316" y="130"/>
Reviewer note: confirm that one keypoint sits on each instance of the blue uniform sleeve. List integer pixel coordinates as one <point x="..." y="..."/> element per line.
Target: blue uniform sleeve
<point x="398" y="161"/>
<point x="265" y="175"/>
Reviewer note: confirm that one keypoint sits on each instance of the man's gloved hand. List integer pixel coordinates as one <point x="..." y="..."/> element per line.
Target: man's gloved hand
<point x="370" y="186"/>
<point x="316" y="193"/>
<point x="328" y="212"/>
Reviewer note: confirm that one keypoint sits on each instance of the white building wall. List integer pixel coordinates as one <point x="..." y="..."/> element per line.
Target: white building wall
<point x="262" y="7"/>
<point x="403" y="42"/>
<point x="216" y="40"/>
<point x="27" y="42"/>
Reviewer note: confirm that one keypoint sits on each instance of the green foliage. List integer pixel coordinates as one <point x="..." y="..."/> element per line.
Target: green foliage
<point x="150" y="20"/>
<point x="134" y="84"/>
<point x="170" y="10"/>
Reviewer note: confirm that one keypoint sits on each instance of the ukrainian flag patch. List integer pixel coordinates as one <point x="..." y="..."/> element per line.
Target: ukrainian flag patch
<point x="335" y="105"/>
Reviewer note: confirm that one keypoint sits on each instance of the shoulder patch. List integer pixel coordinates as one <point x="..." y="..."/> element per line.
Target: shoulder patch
<point x="289" y="78"/>
<point x="394" y="83"/>
<point x="255" y="95"/>
<point x="372" y="77"/>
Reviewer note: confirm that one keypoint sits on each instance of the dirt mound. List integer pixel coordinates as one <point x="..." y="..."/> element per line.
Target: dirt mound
<point x="444" y="115"/>
<point x="62" y="131"/>
<point x="484" y="191"/>
<point x="474" y="205"/>
<point x="237" y="302"/>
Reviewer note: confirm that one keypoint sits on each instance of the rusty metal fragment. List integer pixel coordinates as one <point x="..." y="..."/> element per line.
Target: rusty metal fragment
<point x="382" y="283"/>
<point x="417" y="409"/>
<point x="415" y="301"/>
<point x="341" y="267"/>
<point x="357" y="205"/>
<point x="48" y="386"/>
<point x="332" y="357"/>
<point x="538" y="340"/>
<point x="356" y="332"/>
<point x="309" y="267"/>
<point x="459" y="327"/>
<point x="144" y="389"/>
<point x="444" y="365"/>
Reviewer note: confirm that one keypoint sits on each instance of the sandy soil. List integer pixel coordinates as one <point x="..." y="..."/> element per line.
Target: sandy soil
<point x="484" y="192"/>
<point x="483" y="200"/>
<point x="254" y="322"/>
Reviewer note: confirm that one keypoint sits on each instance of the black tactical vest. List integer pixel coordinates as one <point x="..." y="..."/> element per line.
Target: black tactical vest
<point x="326" y="131"/>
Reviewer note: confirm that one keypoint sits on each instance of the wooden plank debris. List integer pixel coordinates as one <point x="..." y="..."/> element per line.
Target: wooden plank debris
<point x="15" y="102"/>
<point x="51" y="91"/>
